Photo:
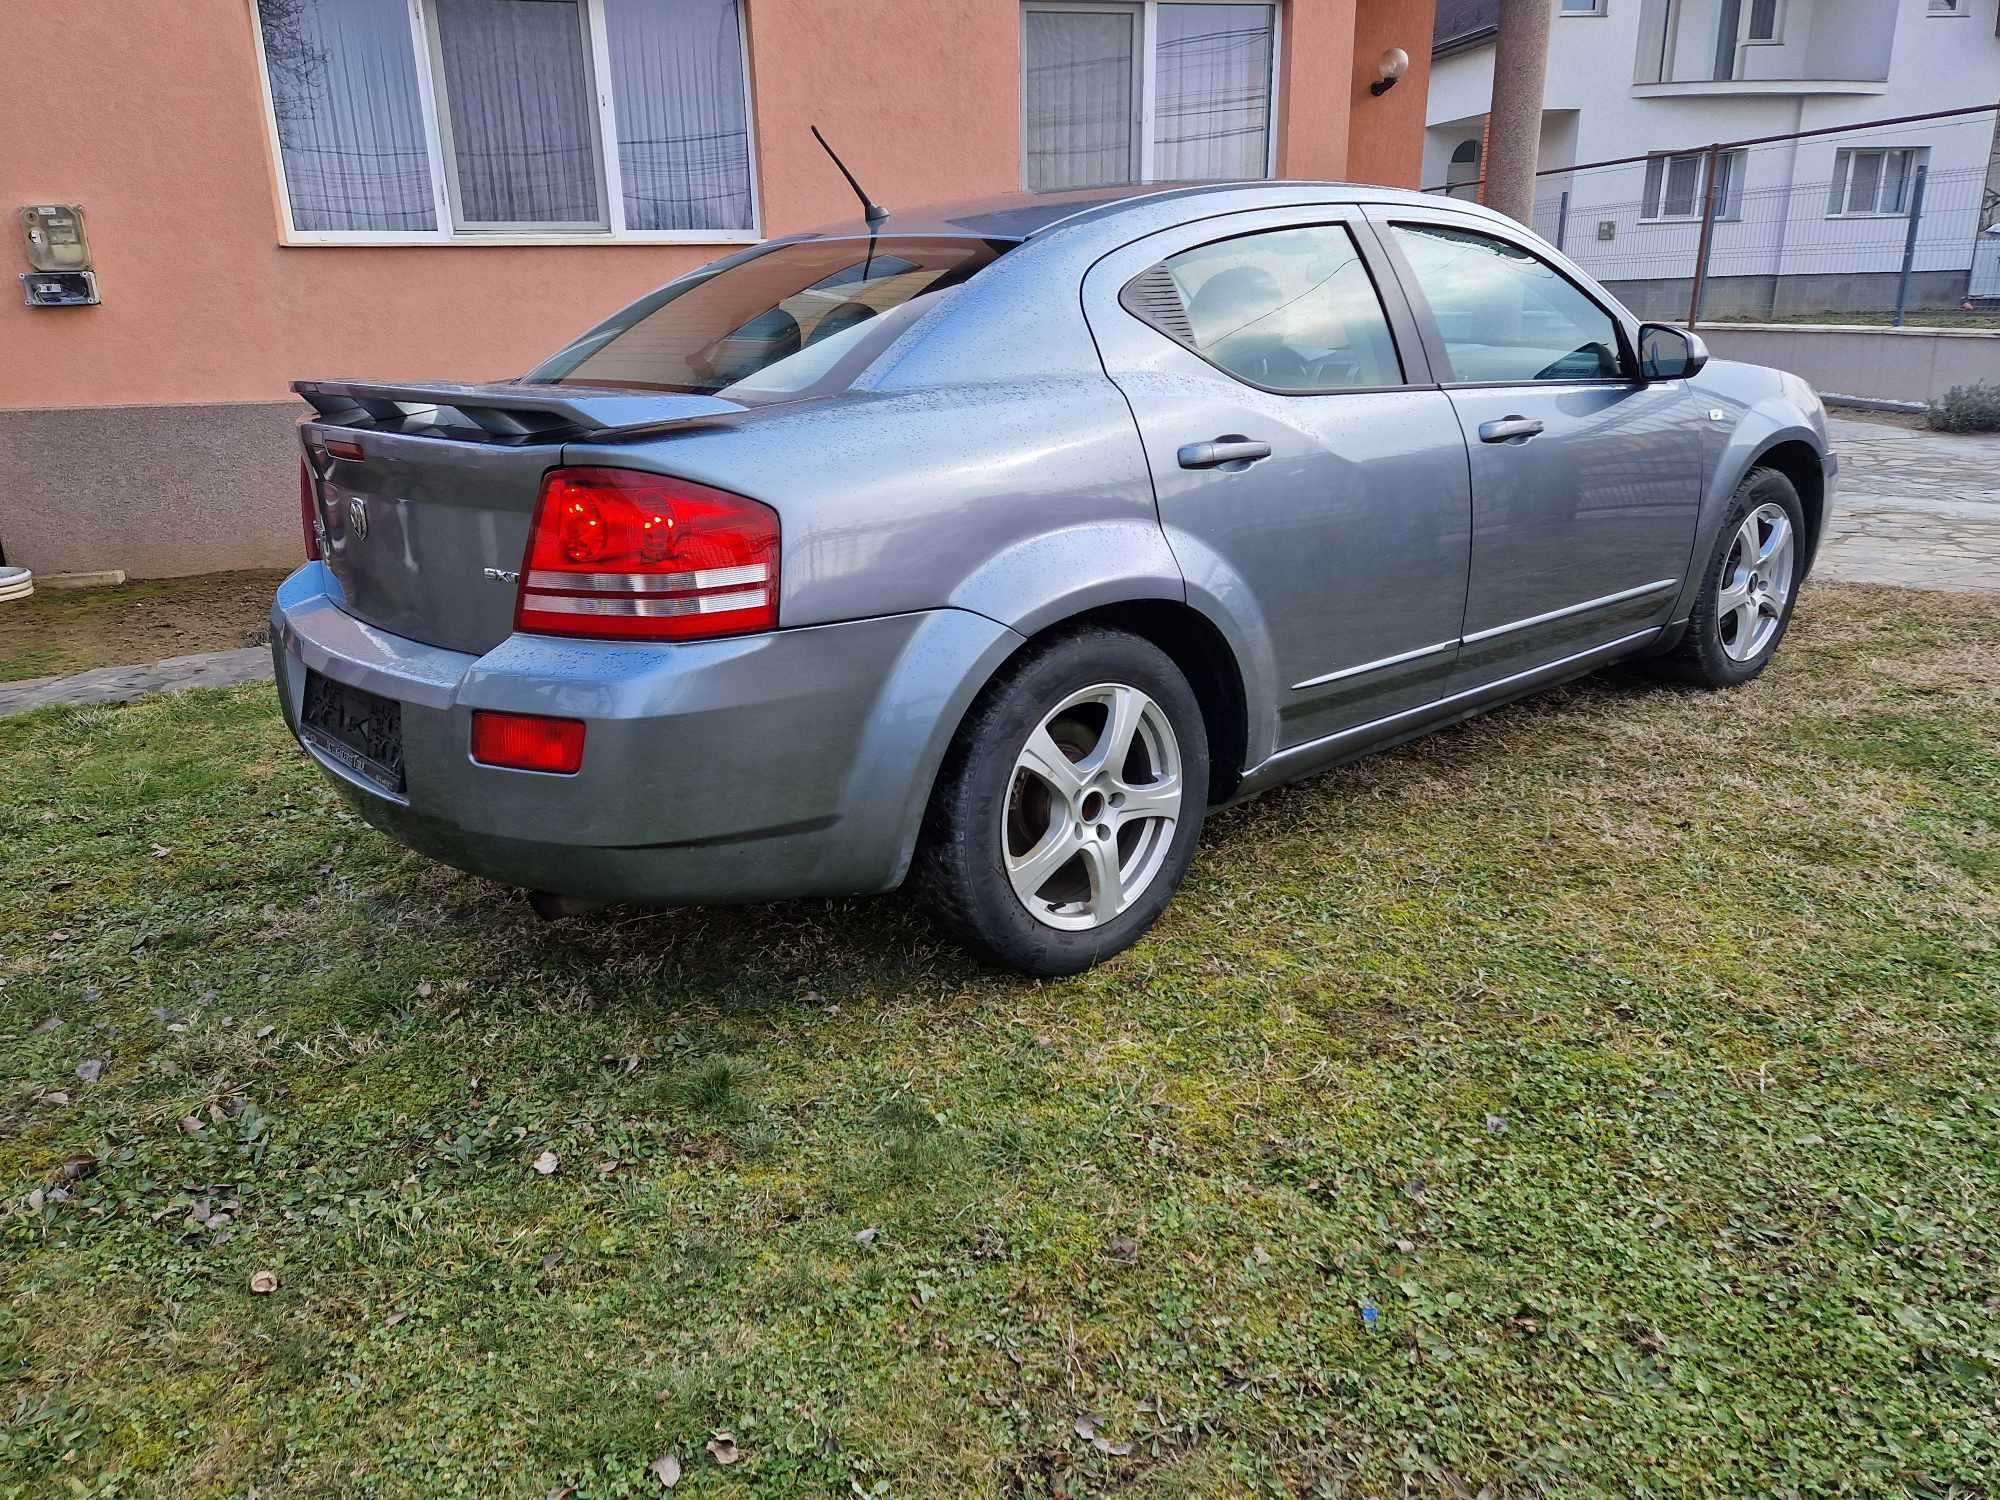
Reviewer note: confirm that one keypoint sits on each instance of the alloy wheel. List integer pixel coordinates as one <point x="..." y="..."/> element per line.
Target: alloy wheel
<point x="1091" y="807"/>
<point x="1756" y="582"/>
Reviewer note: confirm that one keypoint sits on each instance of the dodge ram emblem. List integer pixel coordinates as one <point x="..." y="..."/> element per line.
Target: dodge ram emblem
<point x="357" y="517"/>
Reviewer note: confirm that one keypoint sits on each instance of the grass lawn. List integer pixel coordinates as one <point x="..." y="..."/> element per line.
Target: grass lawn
<point x="59" y="631"/>
<point x="1600" y="1098"/>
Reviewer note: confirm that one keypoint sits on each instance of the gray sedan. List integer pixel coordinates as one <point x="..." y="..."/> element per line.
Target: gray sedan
<point x="995" y="544"/>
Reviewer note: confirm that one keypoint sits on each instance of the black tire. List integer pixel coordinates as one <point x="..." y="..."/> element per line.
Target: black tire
<point x="1701" y="657"/>
<point x="960" y="869"/>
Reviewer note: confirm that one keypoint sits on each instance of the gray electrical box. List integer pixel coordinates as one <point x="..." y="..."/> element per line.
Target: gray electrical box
<point x="59" y="288"/>
<point x="56" y="241"/>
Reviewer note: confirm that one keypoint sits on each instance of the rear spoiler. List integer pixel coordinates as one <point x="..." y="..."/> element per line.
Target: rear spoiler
<point x="509" y="409"/>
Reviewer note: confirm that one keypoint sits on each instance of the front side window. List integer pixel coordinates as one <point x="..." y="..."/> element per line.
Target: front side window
<point x="794" y="319"/>
<point x="477" y="117"/>
<point x="1873" y="183"/>
<point x="1291" y="310"/>
<point x="1092" y="73"/>
<point x="1506" y="315"/>
<point x="1677" y="186"/>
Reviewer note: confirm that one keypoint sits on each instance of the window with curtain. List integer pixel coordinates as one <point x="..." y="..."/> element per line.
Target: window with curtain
<point x="471" y="117"/>
<point x="1677" y="186"/>
<point x="1079" y="92"/>
<point x="1873" y="183"/>
<point x="1086" y="69"/>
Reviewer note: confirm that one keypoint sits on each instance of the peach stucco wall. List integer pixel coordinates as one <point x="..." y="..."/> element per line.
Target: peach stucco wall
<point x="1386" y="138"/>
<point x="168" y="151"/>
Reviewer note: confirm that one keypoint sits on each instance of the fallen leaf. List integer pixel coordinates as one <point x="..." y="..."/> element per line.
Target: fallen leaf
<point x="1259" y="1254"/>
<point x="1496" y="1124"/>
<point x="161" y="851"/>
<point x="393" y="1319"/>
<point x="265" y="1031"/>
<point x="90" y="1069"/>
<point x="667" y="1469"/>
<point x="553" y="1259"/>
<point x="263" y="1283"/>
<point x="560" y="1492"/>
<point x="1124" y="1249"/>
<point x="1405" y="1247"/>
<point x="1105" y="1445"/>
<point x="36" y="1198"/>
<point x="547" y="1162"/>
<point x="56" y="1096"/>
<point x="46" y="1024"/>
<point x="722" y="1447"/>
<point x="867" y="1236"/>
<point x="1086" y="1426"/>
<point x="424" y="990"/>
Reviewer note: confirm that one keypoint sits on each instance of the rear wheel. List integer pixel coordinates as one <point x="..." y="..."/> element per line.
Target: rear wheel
<point x="1752" y="582"/>
<point x="1069" y="807"/>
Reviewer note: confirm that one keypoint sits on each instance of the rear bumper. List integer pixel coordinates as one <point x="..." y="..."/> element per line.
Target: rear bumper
<point x="788" y="764"/>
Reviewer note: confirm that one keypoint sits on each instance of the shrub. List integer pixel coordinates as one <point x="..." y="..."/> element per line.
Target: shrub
<point x="1966" y="408"/>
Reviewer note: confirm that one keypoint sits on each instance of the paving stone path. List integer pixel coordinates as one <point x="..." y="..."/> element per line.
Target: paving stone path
<point x="121" y="684"/>
<point x="1915" y="508"/>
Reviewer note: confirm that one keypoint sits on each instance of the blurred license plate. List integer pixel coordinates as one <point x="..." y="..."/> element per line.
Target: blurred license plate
<point x="357" y="729"/>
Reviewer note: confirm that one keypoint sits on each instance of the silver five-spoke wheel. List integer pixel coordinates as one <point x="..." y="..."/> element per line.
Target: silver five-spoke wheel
<point x="1091" y="807"/>
<point x="1756" y="582"/>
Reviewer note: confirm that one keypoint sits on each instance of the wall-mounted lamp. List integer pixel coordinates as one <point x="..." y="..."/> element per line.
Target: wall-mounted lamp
<point x="1392" y="65"/>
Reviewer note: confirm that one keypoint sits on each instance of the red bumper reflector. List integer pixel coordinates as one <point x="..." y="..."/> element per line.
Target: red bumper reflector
<point x="527" y="742"/>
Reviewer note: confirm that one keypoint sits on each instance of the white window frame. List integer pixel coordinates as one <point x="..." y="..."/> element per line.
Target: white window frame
<point x="1947" y="8"/>
<point x="1777" y="36"/>
<point x="428" y="66"/>
<point x="1843" y="177"/>
<point x="1145" y="83"/>
<point x="1591" y="8"/>
<point x="1731" y="204"/>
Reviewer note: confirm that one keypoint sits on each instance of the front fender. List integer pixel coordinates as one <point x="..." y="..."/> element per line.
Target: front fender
<point x="1761" y="408"/>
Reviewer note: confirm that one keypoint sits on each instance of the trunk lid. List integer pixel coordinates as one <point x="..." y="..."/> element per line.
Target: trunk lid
<point x="425" y="493"/>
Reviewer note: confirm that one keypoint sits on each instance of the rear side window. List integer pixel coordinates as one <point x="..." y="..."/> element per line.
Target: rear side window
<point x="1289" y="310"/>
<point x="797" y="319"/>
<point x="1506" y="314"/>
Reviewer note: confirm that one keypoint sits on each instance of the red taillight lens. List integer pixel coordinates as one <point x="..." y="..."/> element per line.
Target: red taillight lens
<point x="308" y="512"/>
<point x="527" y="742"/>
<point x="629" y="556"/>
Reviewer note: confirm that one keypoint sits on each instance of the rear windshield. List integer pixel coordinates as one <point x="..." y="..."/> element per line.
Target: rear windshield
<point x="792" y="320"/>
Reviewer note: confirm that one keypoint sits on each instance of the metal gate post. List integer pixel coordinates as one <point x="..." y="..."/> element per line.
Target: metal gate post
<point x="1707" y="230"/>
<point x="1910" y="242"/>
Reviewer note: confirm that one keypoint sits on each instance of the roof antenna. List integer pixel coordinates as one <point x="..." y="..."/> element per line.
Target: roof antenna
<point x="871" y="211"/>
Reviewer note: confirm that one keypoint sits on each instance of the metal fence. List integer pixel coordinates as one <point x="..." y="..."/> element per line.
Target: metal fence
<point x="1891" y="221"/>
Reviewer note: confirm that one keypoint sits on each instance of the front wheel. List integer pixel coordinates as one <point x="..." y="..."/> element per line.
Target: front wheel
<point x="1070" y="804"/>
<point x="1752" y="582"/>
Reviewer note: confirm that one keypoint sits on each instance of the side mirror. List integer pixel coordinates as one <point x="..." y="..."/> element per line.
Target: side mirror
<point x="1669" y="353"/>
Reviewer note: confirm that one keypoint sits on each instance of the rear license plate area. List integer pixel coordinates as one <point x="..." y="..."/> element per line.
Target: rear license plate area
<point x="356" y="729"/>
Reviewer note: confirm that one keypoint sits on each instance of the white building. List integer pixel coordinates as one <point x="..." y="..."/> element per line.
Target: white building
<point x="1815" y="225"/>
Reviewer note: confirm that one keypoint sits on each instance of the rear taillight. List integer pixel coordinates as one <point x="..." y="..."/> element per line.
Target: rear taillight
<point x="629" y="556"/>
<point x="527" y="742"/>
<point x="308" y="512"/>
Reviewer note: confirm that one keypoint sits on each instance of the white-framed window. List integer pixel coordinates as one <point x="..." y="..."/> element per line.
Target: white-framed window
<point x="1582" y="7"/>
<point x="506" y="121"/>
<point x="1119" y="91"/>
<point x="1873" y="183"/>
<point x="1763" y="22"/>
<point x="1677" y="186"/>
<point x="1948" y="8"/>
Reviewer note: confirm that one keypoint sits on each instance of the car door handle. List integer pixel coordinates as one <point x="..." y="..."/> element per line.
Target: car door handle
<point x="1223" y="451"/>
<point x="1506" y="429"/>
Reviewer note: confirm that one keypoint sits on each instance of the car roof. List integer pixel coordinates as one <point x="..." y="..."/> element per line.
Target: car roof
<point x="1021" y="216"/>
